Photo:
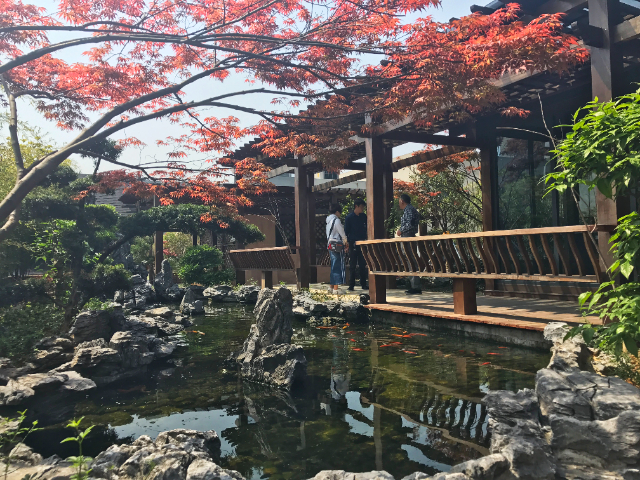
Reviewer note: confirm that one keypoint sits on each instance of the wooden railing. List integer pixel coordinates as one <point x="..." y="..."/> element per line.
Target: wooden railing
<point x="544" y="254"/>
<point x="539" y="254"/>
<point x="266" y="259"/>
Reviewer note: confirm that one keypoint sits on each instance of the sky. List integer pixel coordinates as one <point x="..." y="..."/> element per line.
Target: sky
<point x="150" y="132"/>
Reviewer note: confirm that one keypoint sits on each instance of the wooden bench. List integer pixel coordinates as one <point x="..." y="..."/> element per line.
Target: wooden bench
<point x="267" y="260"/>
<point x="554" y="254"/>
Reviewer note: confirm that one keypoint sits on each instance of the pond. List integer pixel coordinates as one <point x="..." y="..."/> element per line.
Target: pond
<point x="376" y="398"/>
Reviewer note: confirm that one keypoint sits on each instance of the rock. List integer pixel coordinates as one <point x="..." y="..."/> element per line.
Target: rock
<point x="46" y="343"/>
<point x="353" y="312"/>
<point x="178" y="454"/>
<point x="164" y="278"/>
<point x="218" y="293"/>
<point x="48" y="359"/>
<point x="555" y="332"/>
<point x="24" y="455"/>
<point x="162" y="312"/>
<point x="137" y="280"/>
<point x="342" y="475"/>
<point x="190" y="304"/>
<point x="201" y="469"/>
<point x="557" y="396"/>
<point x="42" y="382"/>
<point x="90" y="325"/>
<point x="118" y="297"/>
<point x="143" y="295"/>
<point x="133" y="349"/>
<point x="15" y="394"/>
<point x="278" y="365"/>
<point x="306" y="306"/>
<point x="485" y="468"/>
<point x="76" y="383"/>
<point x="248" y="294"/>
<point x="365" y="299"/>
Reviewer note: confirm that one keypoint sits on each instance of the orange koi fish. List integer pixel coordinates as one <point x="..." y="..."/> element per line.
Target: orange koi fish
<point x="485" y="363"/>
<point x="491" y="353"/>
<point x="409" y="351"/>
<point x="503" y="347"/>
<point x="358" y="349"/>
<point x="352" y="339"/>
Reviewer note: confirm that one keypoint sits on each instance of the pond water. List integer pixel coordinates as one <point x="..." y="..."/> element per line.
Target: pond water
<point x="368" y="403"/>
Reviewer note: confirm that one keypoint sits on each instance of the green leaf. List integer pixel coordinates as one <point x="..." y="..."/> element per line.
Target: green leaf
<point x="626" y="269"/>
<point x="605" y="187"/>
<point x="587" y="334"/>
<point x="631" y="345"/>
<point x="69" y="439"/>
<point x="583" y="298"/>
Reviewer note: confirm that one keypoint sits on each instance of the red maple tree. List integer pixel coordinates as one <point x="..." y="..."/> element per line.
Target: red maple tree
<point x="140" y="57"/>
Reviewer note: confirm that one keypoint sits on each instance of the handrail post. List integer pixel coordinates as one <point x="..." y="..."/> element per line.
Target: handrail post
<point x="303" y="236"/>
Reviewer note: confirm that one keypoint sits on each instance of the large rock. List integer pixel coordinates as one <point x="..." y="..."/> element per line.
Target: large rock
<point x="218" y="293"/>
<point x="267" y="355"/>
<point x="40" y="385"/>
<point x="94" y="324"/>
<point x="174" y="455"/>
<point x="342" y="475"/>
<point x="277" y="365"/>
<point x="248" y="294"/>
<point x="191" y="304"/>
<point x="52" y="352"/>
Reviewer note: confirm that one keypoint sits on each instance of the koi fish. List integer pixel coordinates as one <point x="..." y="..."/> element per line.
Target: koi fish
<point x="351" y="332"/>
<point x="485" y="363"/>
<point x="503" y="347"/>
<point x="491" y="353"/>
<point x="409" y="351"/>
<point x="440" y="345"/>
<point x="401" y="336"/>
<point x="353" y="340"/>
<point x="196" y="331"/>
<point x="396" y="328"/>
<point x="358" y="349"/>
<point x="387" y="345"/>
<point x="328" y="328"/>
<point x="461" y="350"/>
<point x="421" y="334"/>
<point x="345" y="327"/>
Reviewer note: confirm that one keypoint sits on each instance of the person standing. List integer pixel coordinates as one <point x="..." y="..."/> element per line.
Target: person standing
<point x="355" y="226"/>
<point x="337" y="244"/>
<point x="409" y="228"/>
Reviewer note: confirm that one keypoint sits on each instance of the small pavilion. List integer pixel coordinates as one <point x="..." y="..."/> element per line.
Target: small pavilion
<point x="535" y="260"/>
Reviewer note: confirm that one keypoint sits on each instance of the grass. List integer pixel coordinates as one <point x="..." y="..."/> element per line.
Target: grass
<point x="22" y="325"/>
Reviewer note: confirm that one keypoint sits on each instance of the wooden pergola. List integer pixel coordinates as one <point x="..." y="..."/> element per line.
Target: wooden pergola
<point x="611" y="30"/>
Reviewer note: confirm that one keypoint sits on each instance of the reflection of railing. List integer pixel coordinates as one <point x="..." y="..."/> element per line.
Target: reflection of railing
<point x="266" y="259"/>
<point x="541" y="254"/>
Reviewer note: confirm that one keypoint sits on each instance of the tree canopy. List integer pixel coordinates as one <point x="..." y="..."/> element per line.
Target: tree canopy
<point x="342" y="58"/>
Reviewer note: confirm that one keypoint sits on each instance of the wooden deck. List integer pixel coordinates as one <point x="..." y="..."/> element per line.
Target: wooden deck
<point x="520" y="313"/>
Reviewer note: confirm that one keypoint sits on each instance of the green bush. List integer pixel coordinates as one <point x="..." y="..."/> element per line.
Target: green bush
<point x="22" y="325"/>
<point x="105" y="280"/>
<point x="203" y="265"/>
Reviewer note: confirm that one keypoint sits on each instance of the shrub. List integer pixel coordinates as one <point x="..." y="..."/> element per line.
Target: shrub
<point x="105" y="280"/>
<point x="204" y="265"/>
<point x="22" y="325"/>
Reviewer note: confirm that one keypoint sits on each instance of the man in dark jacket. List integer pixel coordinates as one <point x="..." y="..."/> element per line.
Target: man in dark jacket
<point x="409" y="226"/>
<point x="355" y="226"/>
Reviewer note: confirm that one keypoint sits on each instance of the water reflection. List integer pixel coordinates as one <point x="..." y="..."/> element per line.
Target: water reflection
<point x="375" y="398"/>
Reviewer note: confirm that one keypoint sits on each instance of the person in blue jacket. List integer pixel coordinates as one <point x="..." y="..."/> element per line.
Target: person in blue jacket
<point x="355" y="226"/>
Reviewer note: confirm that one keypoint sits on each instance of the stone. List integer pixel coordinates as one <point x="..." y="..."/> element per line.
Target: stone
<point x="342" y="475"/>
<point x="23" y="454"/>
<point x="48" y="359"/>
<point x="191" y="305"/>
<point x="248" y="294"/>
<point x="278" y="365"/>
<point x="619" y="397"/>
<point x="46" y="343"/>
<point x="133" y="349"/>
<point x="557" y="396"/>
<point x="507" y="407"/>
<point x="353" y="312"/>
<point x="306" y="306"/>
<point x="217" y="293"/>
<point x="201" y="469"/>
<point x="192" y="440"/>
<point x="137" y="280"/>
<point x="162" y="312"/>
<point x="15" y="394"/>
<point x="365" y="299"/>
<point x="485" y="468"/>
<point x="555" y="332"/>
<point x="76" y="382"/>
<point x="164" y="278"/>
<point x="42" y="382"/>
<point x="569" y="356"/>
<point x="90" y="325"/>
<point x="274" y="315"/>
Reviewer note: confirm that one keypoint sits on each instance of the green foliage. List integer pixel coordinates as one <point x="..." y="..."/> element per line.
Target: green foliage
<point x="13" y="433"/>
<point x="141" y="249"/>
<point x="203" y="265"/>
<point x="80" y="462"/>
<point x="96" y="304"/>
<point x="175" y="244"/>
<point x="23" y="324"/>
<point x="107" y="279"/>
<point x="603" y="149"/>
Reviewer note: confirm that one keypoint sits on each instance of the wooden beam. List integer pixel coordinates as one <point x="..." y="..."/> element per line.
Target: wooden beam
<point x="416" y="158"/>
<point x="419" y="137"/>
<point x="279" y="171"/>
<point x="324" y="187"/>
<point x="627" y="30"/>
<point x="561" y="6"/>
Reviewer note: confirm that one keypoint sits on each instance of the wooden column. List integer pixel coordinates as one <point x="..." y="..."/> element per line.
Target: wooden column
<point x="607" y="84"/>
<point x="158" y="244"/>
<point x="267" y="279"/>
<point x="387" y="182"/>
<point x="303" y="236"/>
<point x="311" y="212"/>
<point x="486" y="136"/>
<point x="195" y="240"/>
<point x="378" y="163"/>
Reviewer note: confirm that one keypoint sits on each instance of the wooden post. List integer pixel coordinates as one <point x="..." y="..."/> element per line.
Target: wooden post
<point x="489" y="181"/>
<point x="607" y="84"/>
<point x="303" y="236"/>
<point x="241" y="275"/>
<point x="464" y="296"/>
<point x="388" y="199"/>
<point x="195" y="240"/>
<point x="267" y="279"/>
<point x="158" y="252"/>
<point x="378" y="162"/>
<point x="311" y="213"/>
